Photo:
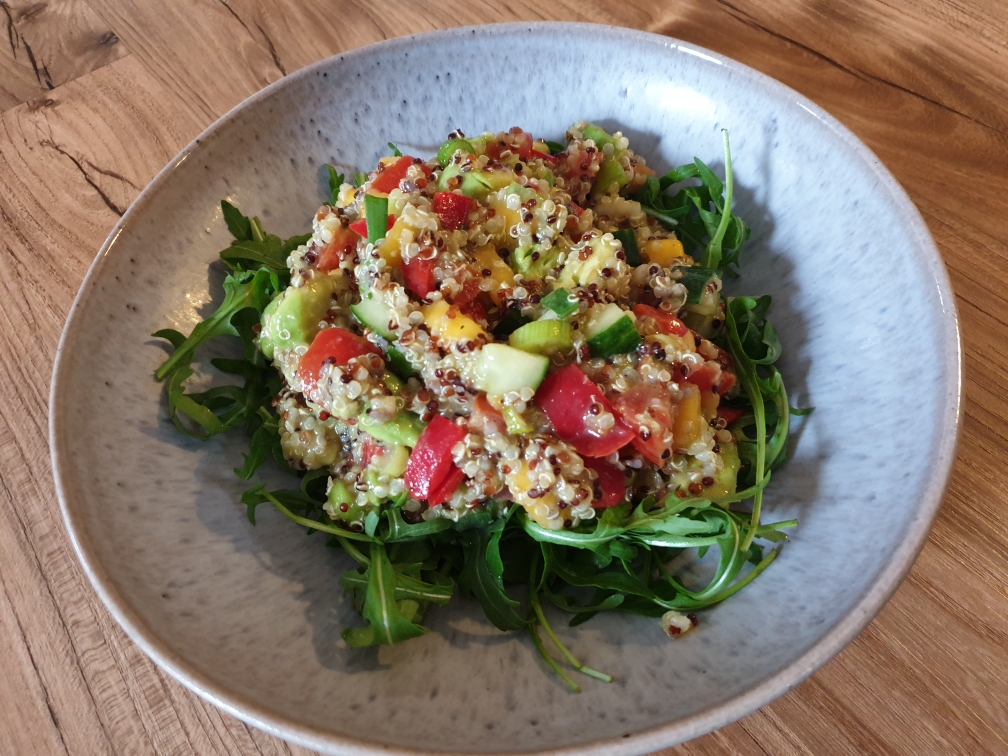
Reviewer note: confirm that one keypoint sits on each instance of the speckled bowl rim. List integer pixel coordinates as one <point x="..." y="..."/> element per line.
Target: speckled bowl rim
<point x="885" y="584"/>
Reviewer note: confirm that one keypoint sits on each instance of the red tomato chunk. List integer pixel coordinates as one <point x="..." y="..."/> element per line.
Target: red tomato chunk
<point x="430" y="472"/>
<point x="331" y="345"/>
<point x="571" y="402"/>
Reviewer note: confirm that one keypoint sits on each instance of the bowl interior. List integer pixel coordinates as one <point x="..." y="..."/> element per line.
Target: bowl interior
<point x="251" y="616"/>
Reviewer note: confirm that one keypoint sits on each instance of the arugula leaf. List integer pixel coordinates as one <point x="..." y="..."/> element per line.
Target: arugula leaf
<point x="335" y="182"/>
<point x="239" y="225"/>
<point x="485" y="585"/>
<point x="241" y="290"/>
<point x="395" y="150"/>
<point x="389" y="620"/>
<point x="555" y="148"/>
<point x="701" y="215"/>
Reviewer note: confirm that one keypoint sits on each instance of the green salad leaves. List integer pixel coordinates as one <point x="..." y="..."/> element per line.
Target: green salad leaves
<point x="620" y="562"/>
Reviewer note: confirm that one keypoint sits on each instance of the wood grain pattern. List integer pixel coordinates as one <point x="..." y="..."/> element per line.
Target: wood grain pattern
<point x="922" y="82"/>
<point x="50" y="42"/>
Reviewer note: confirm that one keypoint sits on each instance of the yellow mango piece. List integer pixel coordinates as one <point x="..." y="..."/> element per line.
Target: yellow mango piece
<point x="663" y="252"/>
<point x="451" y="326"/>
<point x="519" y="483"/>
<point x="726" y="481"/>
<point x="688" y="426"/>
<point x="709" y="403"/>
<point x="390" y="248"/>
<point x="486" y="258"/>
<point x="508" y="217"/>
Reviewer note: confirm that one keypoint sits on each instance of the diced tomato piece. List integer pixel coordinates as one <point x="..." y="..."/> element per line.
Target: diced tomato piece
<point x="453" y="209"/>
<point x="419" y="275"/>
<point x="523" y="145"/>
<point x="649" y="410"/>
<point x="730" y="414"/>
<point x="666" y="322"/>
<point x="335" y="345"/>
<point x="543" y="156"/>
<point x="702" y="377"/>
<point x="359" y="227"/>
<point x="519" y="144"/>
<point x="568" y="398"/>
<point x="392" y="174"/>
<point x="611" y="481"/>
<point x="444" y="490"/>
<point x="344" y="242"/>
<point x="430" y="469"/>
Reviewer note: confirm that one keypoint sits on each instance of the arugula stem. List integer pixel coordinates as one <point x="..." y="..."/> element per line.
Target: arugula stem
<point x="712" y="259"/>
<point x="750" y="382"/>
<point x="352" y="550"/>
<point x="315" y="524"/>
<point x="537" y="607"/>
<point x="549" y="659"/>
<point x="738" y="586"/>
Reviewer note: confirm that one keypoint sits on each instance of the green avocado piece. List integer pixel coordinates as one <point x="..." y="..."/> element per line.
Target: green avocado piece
<point x="473" y="183"/>
<point x="597" y="134"/>
<point x="610" y="172"/>
<point x="449" y="148"/>
<point x="292" y="318"/>
<point x="404" y="429"/>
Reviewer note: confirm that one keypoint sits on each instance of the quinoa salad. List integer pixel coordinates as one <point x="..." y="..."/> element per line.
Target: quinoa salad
<point x="510" y="363"/>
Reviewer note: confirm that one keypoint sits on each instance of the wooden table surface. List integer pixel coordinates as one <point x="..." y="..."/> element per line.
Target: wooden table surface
<point x="97" y="95"/>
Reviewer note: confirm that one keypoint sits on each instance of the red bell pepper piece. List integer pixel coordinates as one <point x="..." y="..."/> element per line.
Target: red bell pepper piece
<point x="543" y="156"/>
<point x="391" y="175"/>
<point x="567" y="397"/>
<point x="344" y="242"/>
<point x="359" y="227"/>
<point x="666" y="322"/>
<point x="453" y="209"/>
<point x="430" y="471"/>
<point x="335" y="345"/>
<point x="611" y="481"/>
<point x="419" y="275"/>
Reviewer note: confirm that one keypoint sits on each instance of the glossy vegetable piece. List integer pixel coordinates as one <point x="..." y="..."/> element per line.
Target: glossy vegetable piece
<point x="449" y="148"/>
<point x="343" y="244"/>
<point x="689" y="422"/>
<point x="377" y="216"/>
<point x="430" y="469"/>
<point x="543" y="337"/>
<point x="359" y="227"/>
<point x="419" y="275"/>
<point x="335" y="345"/>
<point x="453" y="209"/>
<point x="666" y="322"/>
<point x="663" y="252"/>
<point x="611" y="483"/>
<point x="648" y="409"/>
<point x="390" y="177"/>
<point x="569" y="400"/>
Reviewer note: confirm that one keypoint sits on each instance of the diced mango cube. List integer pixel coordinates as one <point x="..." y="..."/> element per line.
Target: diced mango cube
<point x="663" y="252"/>
<point x="448" y="324"/>
<point x="688" y="426"/>
<point x="486" y="258"/>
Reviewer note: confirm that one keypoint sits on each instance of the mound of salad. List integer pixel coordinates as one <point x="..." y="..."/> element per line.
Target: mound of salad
<point x="508" y="365"/>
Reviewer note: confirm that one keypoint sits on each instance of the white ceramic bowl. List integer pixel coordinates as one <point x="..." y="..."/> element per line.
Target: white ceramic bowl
<point x="250" y="617"/>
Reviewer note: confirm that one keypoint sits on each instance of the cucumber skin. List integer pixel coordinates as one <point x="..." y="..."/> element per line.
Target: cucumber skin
<point x="543" y="337"/>
<point x="560" y="301"/>
<point x="619" y="338"/>
<point x="367" y="313"/>
<point x="500" y="368"/>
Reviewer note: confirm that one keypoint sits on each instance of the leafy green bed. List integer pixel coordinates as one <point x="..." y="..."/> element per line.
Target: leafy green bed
<point x="616" y="563"/>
